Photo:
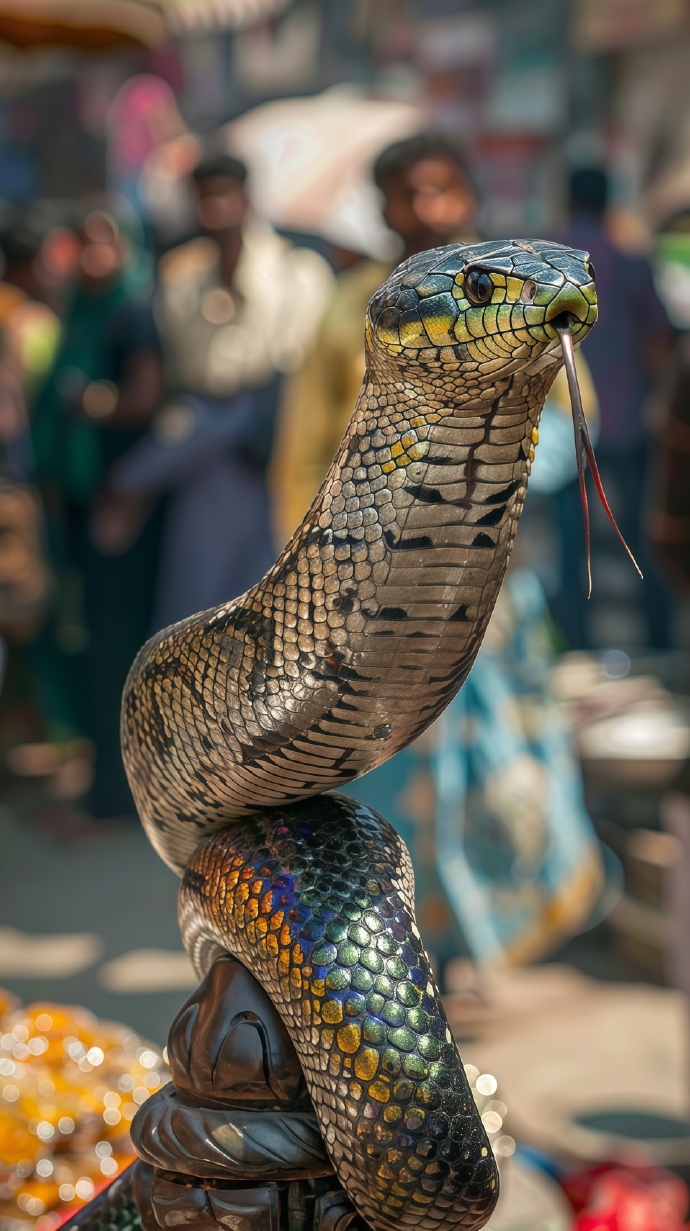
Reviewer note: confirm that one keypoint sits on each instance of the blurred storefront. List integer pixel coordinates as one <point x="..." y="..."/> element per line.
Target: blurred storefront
<point x="527" y="88"/>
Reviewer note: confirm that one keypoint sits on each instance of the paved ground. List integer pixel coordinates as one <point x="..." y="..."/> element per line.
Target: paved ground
<point x="92" y="920"/>
<point x="103" y="896"/>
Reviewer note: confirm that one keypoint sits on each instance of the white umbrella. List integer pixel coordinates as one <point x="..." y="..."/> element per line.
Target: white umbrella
<point x="310" y="162"/>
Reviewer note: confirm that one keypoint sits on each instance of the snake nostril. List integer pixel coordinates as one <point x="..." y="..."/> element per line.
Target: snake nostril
<point x="529" y="290"/>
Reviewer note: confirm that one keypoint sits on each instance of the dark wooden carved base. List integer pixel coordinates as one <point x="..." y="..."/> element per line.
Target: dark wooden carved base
<point x="233" y="1139"/>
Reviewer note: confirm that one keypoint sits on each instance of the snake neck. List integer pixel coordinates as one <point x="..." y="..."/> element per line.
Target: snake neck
<point x="393" y="576"/>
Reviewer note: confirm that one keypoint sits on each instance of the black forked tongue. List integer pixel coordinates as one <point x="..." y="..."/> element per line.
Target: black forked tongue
<point x="583" y="445"/>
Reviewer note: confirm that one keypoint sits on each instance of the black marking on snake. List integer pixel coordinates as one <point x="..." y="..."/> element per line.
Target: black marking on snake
<point x="188" y="817"/>
<point x="459" y="616"/>
<point x="346" y="601"/>
<point x="427" y="495"/>
<point x="503" y="496"/>
<point x="460" y="670"/>
<point x="349" y="673"/>
<point x="193" y="880"/>
<point x="483" y="540"/>
<point x="347" y="539"/>
<point x="250" y="754"/>
<point x="349" y="690"/>
<point x="345" y="705"/>
<point x="392" y="613"/>
<point x="256" y="626"/>
<point x="338" y="719"/>
<point x="168" y="669"/>
<point x="493" y="517"/>
<point x="417" y="543"/>
<point x="441" y="460"/>
<point x="431" y="495"/>
<point x="346" y="755"/>
<point x="471" y="465"/>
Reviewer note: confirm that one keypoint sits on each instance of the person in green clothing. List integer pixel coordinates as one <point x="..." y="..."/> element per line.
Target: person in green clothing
<point x="105" y="384"/>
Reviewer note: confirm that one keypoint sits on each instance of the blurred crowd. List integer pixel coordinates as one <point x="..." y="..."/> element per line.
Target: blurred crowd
<point x="176" y="374"/>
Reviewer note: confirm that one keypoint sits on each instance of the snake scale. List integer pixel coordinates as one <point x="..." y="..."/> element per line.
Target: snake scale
<point x="348" y="648"/>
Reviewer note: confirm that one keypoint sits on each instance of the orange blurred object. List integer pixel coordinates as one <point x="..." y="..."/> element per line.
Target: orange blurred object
<point x="90" y="24"/>
<point x="70" y="1086"/>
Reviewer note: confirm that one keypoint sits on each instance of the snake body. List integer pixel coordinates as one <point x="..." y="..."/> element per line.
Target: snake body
<point x="346" y="650"/>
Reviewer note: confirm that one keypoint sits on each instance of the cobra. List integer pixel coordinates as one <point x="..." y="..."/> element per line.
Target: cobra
<point x="236" y="721"/>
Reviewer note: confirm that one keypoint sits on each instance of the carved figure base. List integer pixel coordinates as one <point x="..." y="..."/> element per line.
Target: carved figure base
<point x="232" y="1139"/>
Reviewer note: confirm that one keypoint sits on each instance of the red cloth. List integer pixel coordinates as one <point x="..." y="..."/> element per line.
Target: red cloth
<point x="626" y="1199"/>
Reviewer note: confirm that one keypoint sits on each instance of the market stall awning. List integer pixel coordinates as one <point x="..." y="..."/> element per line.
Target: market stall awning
<point x="100" y="24"/>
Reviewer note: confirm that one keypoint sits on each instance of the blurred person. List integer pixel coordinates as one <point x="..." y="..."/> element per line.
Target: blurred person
<point x="626" y="355"/>
<point x="237" y="307"/>
<point x="427" y="199"/>
<point x="142" y="116"/>
<point x="24" y="576"/>
<point x="21" y="235"/>
<point x="29" y="336"/>
<point x="30" y="326"/>
<point x="167" y="189"/>
<point x="668" y="521"/>
<point x="104" y="385"/>
<point x="428" y="195"/>
<point x="40" y="249"/>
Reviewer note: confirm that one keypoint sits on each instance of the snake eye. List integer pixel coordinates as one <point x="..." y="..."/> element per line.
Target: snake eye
<point x="478" y="286"/>
<point x="590" y="270"/>
<point x="529" y="290"/>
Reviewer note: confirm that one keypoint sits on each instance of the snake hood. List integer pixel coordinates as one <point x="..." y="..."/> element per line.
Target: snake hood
<point x="370" y="620"/>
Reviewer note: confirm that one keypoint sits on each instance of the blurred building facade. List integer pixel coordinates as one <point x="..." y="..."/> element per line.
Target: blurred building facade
<point x="527" y="87"/>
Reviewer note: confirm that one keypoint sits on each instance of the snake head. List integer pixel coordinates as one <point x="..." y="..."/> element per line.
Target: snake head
<point x="492" y="307"/>
<point x="489" y="311"/>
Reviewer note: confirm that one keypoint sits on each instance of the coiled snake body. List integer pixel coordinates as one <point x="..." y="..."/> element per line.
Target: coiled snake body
<point x="347" y="649"/>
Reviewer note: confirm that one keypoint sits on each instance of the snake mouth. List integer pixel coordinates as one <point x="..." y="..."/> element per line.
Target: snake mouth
<point x="584" y="450"/>
<point x="578" y="326"/>
<point x="564" y="320"/>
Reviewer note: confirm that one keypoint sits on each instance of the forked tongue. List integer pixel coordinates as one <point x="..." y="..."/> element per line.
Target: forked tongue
<point x="584" y="449"/>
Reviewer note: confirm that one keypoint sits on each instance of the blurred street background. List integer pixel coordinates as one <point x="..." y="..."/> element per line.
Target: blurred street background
<point x="197" y="199"/>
